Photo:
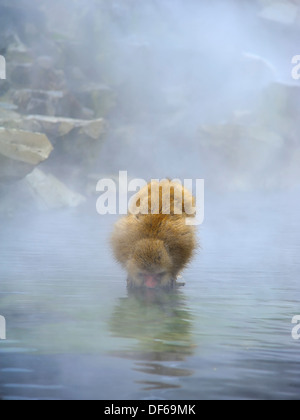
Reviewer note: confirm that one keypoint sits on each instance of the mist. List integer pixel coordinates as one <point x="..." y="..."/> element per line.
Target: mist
<point x="184" y="71"/>
<point x="188" y="89"/>
<point x="185" y="89"/>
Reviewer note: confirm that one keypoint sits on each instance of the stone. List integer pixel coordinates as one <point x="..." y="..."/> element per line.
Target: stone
<point x="282" y="98"/>
<point x="244" y="156"/>
<point x="50" y="193"/>
<point x="77" y="143"/>
<point x="50" y="103"/>
<point x="20" y="152"/>
<point x="279" y="108"/>
<point x="4" y="87"/>
<point x="100" y="98"/>
<point x="56" y="127"/>
<point x="16" y="50"/>
<point x="8" y="114"/>
<point x="20" y="74"/>
<point x="284" y="12"/>
<point x="36" y="75"/>
<point x="71" y="136"/>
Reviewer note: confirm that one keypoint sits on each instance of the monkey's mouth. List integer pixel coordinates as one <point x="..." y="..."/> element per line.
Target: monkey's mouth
<point x="151" y="282"/>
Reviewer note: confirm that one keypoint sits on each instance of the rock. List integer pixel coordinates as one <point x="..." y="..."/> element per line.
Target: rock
<point x="82" y="144"/>
<point x="45" y="76"/>
<point x="55" y="127"/>
<point x="243" y="157"/>
<point x="16" y="50"/>
<point x="236" y="137"/>
<point x="70" y="136"/>
<point x="37" y="191"/>
<point x="280" y="11"/>
<point x="279" y="109"/>
<point x="50" y="103"/>
<point x="100" y="98"/>
<point x="20" y="74"/>
<point x="50" y="193"/>
<point x="92" y="129"/>
<point x="36" y="75"/>
<point x="20" y="152"/>
<point x="280" y="98"/>
<point x="4" y="87"/>
<point x="7" y="113"/>
<point x="77" y="143"/>
<point x="31" y="101"/>
<point x="31" y="148"/>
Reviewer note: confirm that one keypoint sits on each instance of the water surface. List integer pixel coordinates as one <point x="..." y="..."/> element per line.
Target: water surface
<point x="74" y="331"/>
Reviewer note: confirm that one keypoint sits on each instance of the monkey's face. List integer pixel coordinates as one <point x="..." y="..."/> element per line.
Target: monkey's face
<point x="150" y="265"/>
<point x="151" y="279"/>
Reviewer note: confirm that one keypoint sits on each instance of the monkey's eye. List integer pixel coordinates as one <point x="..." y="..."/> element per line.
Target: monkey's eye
<point x="162" y="274"/>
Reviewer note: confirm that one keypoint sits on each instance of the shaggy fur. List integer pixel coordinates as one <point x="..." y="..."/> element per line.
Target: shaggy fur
<point x="155" y="248"/>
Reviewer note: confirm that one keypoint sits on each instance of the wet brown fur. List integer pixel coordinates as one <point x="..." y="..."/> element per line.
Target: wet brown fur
<point x="156" y="242"/>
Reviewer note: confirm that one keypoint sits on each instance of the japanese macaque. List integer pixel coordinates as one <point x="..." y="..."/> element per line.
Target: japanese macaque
<point x="154" y="242"/>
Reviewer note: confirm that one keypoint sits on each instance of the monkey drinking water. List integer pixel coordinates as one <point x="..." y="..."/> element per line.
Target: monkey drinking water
<point x="155" y="242"/>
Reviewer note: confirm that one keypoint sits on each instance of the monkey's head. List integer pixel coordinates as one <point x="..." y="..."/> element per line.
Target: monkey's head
<point x="150" y="265"/>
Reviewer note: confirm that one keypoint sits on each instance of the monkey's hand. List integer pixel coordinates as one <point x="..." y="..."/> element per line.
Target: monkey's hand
<point x="179" y="282"/>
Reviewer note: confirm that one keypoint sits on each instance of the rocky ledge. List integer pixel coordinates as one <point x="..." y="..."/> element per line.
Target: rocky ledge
<point x="20" y="152"/>
<point x="52" y="114"/>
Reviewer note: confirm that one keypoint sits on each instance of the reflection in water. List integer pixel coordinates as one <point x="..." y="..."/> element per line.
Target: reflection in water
<point x="160" y="323"/>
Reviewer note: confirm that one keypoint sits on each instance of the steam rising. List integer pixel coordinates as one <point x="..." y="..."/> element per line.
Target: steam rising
<point x="179" y="65"/>
<point x="164" y="70"/>
<point x="188" y="89"/>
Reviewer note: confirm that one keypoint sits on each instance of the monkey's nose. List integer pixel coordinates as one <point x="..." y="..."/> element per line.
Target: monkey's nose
<point x="151" y="281"/>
